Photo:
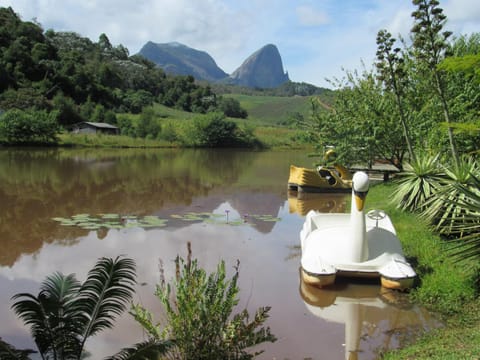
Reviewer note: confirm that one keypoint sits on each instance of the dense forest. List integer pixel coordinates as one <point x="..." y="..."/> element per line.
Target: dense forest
<point x="82" y="80"/>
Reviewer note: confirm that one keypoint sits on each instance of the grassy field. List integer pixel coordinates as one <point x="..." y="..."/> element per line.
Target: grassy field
<point x="273" y="110"/>
<point x="110" y="141"/>
<point x="268" y="130"/>
<point x="445" y="286"/>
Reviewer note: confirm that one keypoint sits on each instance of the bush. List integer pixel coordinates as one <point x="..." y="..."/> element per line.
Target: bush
<point x="29" y="127"/>
<point x="214" y="130"/>
<point x="147" y="125"/>
<point x="199" y="323"/>
<point x="231" y="107"/>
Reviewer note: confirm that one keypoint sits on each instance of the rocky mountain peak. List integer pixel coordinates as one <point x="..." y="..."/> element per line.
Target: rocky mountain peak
<point x="262" y="69"/>
<point x="179" y="59"/>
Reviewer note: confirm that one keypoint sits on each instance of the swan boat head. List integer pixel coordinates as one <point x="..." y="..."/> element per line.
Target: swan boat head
<point x="358" y="249"/>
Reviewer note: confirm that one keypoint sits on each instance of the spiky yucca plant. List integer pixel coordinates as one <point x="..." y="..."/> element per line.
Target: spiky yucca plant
<point x="467" y="231"/>
<point x="417" y="183"/>
<point x="65" y="312"/>
<point x="448" y="210"/>
<point x="199" y="308"/>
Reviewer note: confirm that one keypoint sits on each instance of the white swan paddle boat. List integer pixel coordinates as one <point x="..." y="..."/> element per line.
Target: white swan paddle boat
<point x="353" y="245"/>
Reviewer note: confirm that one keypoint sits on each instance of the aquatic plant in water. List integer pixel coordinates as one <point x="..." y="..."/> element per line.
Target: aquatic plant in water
<point x="111" y="221"/>
<point x="215" y="218"/>
<point x="117" y="221"/>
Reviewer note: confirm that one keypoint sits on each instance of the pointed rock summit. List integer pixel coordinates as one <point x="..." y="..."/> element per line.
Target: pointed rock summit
<point x="263" y="69"/>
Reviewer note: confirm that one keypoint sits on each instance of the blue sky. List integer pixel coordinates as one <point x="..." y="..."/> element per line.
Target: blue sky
<point x="316" y="38"/>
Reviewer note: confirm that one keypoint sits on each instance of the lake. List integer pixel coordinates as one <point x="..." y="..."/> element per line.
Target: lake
<point x="229" y="204"/>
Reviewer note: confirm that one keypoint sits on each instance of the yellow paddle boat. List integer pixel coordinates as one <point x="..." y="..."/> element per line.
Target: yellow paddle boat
<point x="334" y="178"/>
<point x="321" y="179"/>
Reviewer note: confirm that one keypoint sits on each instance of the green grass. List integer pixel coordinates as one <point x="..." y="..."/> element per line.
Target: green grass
<point x="269" y="116"/>
<point x="458" y="340"/>
<point x="445" y="286"/>
<point x="272" y="110"/>
<point x="110" y="141"/>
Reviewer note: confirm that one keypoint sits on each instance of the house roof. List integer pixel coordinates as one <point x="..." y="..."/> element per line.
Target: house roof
<point x="101" y="125"/>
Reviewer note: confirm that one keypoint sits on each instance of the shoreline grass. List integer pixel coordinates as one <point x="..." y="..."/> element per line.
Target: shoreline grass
<point x="106" y="141"/>
<point x="445" y="286"/>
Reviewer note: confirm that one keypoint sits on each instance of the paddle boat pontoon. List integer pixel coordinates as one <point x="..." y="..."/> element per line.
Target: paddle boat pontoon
<point x="353" y="245"/>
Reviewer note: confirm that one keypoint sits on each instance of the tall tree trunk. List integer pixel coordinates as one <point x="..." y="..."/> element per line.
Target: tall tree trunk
<point x="446" y="115"/>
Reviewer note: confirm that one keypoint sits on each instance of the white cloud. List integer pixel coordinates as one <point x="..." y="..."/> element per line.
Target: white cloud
<point x="325" y="34"/>
<point x="308" y="16"/>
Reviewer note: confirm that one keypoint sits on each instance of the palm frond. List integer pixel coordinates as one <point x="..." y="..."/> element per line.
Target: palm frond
<point x="8" y="352"/>
<point x="450" y="209"/>
<point x="50" y="315"/>
<point x="466" y="246"/>
<point x="147" y="350"/>
<point x="106" y="293"/>
<point x="417" y="183"/>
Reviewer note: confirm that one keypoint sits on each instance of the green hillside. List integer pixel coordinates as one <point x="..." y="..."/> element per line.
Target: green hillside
<point x="273" y="110"/>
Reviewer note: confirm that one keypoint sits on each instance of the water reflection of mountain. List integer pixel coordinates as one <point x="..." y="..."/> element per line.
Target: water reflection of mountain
<point x="36" y="186"/>
<point x="244" y="203"/>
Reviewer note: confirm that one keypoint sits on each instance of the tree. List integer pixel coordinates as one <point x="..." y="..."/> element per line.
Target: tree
<point x="390" y="66"/>
<point x="362" y="123"/>
<point x="430" y="45"/>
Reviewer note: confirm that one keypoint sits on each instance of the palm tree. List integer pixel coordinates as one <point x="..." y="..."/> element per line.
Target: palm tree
<point x="8" y="352"/>
<point x="66" y="313"/>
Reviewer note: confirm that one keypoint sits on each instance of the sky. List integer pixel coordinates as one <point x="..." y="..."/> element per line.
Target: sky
<point x="317" y="39"/>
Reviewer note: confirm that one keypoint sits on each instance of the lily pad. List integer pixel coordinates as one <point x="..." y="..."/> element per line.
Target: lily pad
<point x="110" y="221"/>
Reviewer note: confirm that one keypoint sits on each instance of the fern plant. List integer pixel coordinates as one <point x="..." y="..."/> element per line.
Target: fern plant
<point x="66" y="312"/>
<point x="200" y="324"/>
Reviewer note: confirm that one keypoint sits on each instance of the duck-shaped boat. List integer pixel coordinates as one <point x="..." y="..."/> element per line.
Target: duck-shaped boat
<point x="355" y="245"/>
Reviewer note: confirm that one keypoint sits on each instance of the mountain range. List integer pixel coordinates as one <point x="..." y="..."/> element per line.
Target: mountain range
<point x="263" y="69"/>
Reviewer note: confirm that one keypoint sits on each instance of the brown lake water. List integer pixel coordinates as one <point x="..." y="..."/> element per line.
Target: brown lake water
<point x="231" y="205"/>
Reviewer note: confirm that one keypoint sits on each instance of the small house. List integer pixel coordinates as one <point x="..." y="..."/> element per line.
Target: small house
<point x="87" y="127"/>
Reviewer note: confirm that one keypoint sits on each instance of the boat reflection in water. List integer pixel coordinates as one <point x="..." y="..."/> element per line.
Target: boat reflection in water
<point x="375" y="318"/>
<point x="302" y="203"/>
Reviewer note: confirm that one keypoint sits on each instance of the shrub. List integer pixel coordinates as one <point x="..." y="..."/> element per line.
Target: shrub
<point x="214" y="130"/>
<point x="231" y="107"/>
<point x="29" y="127"/>
<point x="418" y="183"/>
<point x="199" y="323"/>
